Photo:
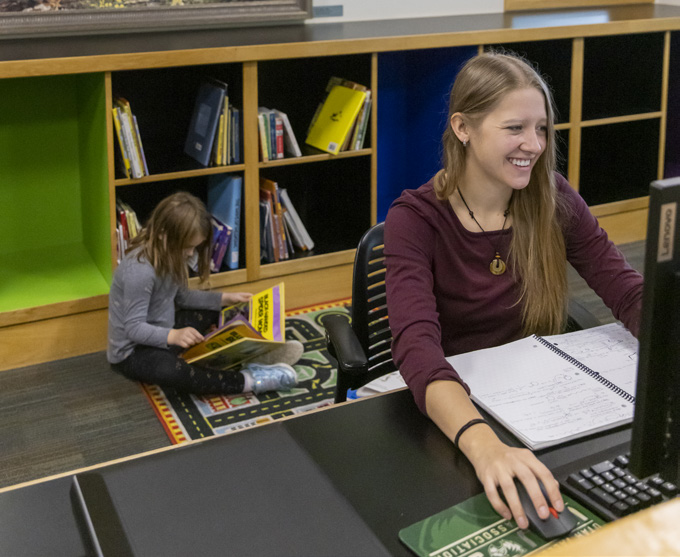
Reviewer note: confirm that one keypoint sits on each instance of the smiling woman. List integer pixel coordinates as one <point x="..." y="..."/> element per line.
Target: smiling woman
<point x="23" y="18"/>
<point x="497" y="198"/>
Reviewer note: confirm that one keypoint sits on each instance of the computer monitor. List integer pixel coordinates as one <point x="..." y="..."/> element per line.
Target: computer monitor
<point x="656" y="426"/>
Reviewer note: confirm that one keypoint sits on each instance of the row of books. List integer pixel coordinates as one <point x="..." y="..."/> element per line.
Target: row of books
<point x="127" y="226"/>
<point x="282" y="232"/>
<point x="225" y="200"/>
<point x="214" y="131"/>
<point x="129" y="141"/>
<point x="276" y="135"/>
<point x="341" y="119"/>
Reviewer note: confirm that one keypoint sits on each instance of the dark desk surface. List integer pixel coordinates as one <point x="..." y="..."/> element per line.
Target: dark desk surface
<point x="338" y="481"/>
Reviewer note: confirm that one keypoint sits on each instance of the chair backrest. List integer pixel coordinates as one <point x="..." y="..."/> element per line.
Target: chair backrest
<point x="369" y="303"/>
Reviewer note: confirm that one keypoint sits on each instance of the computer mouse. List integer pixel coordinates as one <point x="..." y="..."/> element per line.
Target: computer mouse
<point x="556" y="525"/>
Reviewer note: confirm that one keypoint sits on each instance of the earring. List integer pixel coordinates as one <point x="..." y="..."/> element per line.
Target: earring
<point x="465" y="142"/>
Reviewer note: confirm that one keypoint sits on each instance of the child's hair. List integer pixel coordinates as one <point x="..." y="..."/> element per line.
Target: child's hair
<point x="537" y="250"/>
<point x="174" y="222"/>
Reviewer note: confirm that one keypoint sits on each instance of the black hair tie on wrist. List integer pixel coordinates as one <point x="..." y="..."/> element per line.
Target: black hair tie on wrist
<point x="466" y="427"/>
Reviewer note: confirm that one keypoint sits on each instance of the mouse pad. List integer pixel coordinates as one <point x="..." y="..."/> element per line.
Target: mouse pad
<point x="473" y="529"/>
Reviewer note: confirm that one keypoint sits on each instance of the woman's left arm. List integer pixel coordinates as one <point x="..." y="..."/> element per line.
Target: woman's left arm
<point x="601" y="263"/>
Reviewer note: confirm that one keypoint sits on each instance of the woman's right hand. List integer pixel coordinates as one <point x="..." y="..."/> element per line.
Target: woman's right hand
<point x="497" y="465"/>
<point x="186" y="337"/>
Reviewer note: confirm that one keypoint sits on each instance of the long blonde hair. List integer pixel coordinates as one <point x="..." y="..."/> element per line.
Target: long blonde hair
<point x="537" y="251"/>
<point x="174" y="222"/>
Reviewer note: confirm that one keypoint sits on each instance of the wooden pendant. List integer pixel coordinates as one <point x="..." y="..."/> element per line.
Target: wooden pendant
<point x="497" y="266"/>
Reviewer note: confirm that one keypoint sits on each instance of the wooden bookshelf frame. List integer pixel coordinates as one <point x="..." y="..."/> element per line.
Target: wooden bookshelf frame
<point x="79" y="326"/>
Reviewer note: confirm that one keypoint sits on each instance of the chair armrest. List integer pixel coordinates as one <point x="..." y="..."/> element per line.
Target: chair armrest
<point x="344" y="345"/>
<point x="580" y="318"/>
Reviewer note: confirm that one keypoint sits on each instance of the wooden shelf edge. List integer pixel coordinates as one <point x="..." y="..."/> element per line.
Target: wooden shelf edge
<point x="305" y="264"/>
<point x="60" y="309"/>
<point x="617" y="207"/>
<point x="180" y="174"/>
<point x="218" y="280"/>
<point x="315" y="158"/>
<point x="622" y="119"/>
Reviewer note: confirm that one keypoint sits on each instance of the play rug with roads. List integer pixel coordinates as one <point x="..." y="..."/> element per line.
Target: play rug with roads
<point x="185" y="416"/>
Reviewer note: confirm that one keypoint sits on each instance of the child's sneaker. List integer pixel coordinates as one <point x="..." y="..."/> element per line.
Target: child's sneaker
<point x="288" y="353"/>
<point x="275" y="377"/>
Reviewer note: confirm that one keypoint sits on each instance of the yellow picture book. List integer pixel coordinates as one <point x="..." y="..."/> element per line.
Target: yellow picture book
<point x="335" y="119"/>
<point x="246" y="330"/>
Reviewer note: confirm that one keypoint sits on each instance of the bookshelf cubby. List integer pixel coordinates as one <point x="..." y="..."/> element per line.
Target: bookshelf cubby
<point x="610" y="88"/>
<point x="614" y="79"/>
<point x="54" y="191"/>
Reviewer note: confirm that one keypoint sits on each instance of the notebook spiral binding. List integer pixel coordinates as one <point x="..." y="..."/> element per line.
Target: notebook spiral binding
<point x="594" y="374"/>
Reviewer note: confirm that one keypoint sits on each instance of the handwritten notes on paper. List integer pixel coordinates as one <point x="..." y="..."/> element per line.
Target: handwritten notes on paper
<point x="546" y="397"/>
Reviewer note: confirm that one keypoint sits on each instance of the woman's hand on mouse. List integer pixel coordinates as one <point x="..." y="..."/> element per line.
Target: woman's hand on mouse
<point x="497" y="465"/>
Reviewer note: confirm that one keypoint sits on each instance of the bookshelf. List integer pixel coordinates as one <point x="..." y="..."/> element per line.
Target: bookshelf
<point x="613" y="74"/>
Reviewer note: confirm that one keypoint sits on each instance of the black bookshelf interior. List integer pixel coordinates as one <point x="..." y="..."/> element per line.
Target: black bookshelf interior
<point x="552" y="59"/>
<point x="163" y="102"/>
<point x="332" y="199"/>
<point x="618" y="161"/>
<point x="622" y="75"/>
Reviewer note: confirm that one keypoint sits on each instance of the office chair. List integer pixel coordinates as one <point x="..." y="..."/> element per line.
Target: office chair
<point x="362" y="346"/>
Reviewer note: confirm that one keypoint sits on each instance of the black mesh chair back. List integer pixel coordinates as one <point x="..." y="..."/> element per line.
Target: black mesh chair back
<point x="363" y="347"/>
<point x="369" y="303"/>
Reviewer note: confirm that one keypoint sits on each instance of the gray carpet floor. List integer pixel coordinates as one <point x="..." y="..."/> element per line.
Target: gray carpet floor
<point x="76" y="412"/>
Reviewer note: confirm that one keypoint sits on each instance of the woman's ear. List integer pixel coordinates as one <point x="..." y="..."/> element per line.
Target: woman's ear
<point x="459" y="127"/>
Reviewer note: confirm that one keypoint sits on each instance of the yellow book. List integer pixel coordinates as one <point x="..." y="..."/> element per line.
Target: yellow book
<point x="335" y="119"/>
<point x="119" y="135"/>
<point x="245" y="330"/>
<point x="219" y="146"/>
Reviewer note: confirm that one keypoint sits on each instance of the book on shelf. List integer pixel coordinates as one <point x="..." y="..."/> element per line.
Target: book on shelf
<point x="550" y="390"/>
<point x="290" y="248"/>
<point x="273" y="189"/>
<point x="271" y="134"/>
<point x="359" y="135"/>
<point x="289" y="140"/>
<point x="245" y="330"/>
<point x="225" y="194"/>
<point x="127" y="226"/>
<point x="269" y="228"/>
<point x="301" y="237"/>
<point x="205" y="120"/>
<point x="129" y="140"/>
<point x="122" y="149"/>
<point x="334" y="119"/>
<point x="220" y="243"/>
<point x="226" y="144"/>
<point x="263" y="136"/>
<point x="235" y="135"/>
<point x="218" y="143"/>
<point x="474" y="529"/>
<point x="266" y="241"/>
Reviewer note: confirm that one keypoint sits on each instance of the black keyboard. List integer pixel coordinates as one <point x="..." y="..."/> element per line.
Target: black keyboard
<point x="610" y="490"/>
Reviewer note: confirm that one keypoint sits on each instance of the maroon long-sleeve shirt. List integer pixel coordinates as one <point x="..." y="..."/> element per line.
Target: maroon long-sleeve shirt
<point x="443" y="300"/>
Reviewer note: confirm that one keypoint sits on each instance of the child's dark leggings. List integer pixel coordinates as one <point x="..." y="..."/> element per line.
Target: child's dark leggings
<point x="164" y="367"/>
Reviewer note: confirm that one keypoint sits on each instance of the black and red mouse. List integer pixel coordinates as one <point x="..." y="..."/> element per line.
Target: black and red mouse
<point x="557" y="524"/>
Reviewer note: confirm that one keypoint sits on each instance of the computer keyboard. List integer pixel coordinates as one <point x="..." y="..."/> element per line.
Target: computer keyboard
<point x="609" y="489"/>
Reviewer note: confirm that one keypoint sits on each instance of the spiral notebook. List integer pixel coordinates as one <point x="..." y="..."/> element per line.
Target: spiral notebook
<point x="549" y="390"/>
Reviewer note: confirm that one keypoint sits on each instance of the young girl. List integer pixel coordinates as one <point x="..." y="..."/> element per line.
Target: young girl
<point x="477" y="257"/>
<point x="147" y="334"/>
